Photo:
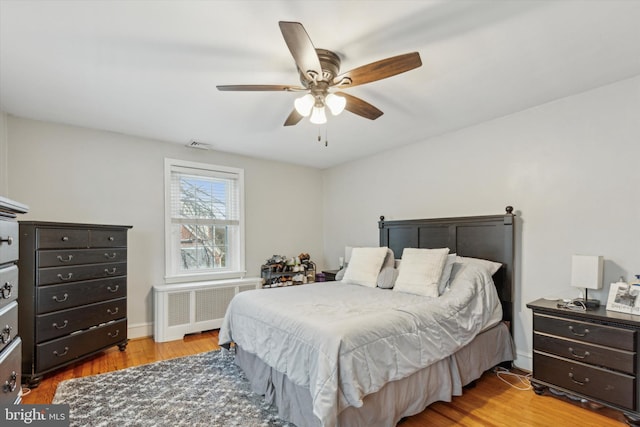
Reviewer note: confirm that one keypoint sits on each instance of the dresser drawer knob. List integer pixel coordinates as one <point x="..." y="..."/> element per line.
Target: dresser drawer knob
<point x="64" y="325"/>
<point x="64" y="353"/>
<point x="110" y="272"/>
<point x="67" y="259"/>
<point x="65" y="239"/>
<point x="576" y="355"/>
<point x="585" y="381"/>
<point x="113" y="311"/>
<point x="111" y="238"/>
<point x="578" y="334"/>
<point x="114" y="334"/>
<point x="113" y="290"/>
<point x="8" y="240"/>
<point x="112" y="255"/>
<point x="10" y="385"/>
<point x="5" y="336"/>
<point x="64" y="298"/>
<point x="65" y="278"/>
<point x="6" y="290"/>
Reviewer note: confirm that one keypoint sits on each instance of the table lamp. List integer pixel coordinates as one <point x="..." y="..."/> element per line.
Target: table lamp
<point x="586" y="272"/>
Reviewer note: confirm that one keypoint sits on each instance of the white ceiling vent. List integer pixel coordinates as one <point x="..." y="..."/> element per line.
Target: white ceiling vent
<point x="200" y="145"/>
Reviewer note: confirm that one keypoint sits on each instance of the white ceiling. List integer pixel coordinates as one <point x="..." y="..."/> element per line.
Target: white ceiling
<point x="150" y="68"/>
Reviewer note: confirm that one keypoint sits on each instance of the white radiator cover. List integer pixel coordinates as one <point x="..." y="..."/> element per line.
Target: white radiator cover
<point x="185" y="308"/>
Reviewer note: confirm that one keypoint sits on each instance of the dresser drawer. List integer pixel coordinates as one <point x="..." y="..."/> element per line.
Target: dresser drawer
<point x="58" y="258"/>
<point x="61" y="238"/>
<point x="615" y="388"/>
<point x="108" y="238"/>
<point x="620" y="360"/>
<point x="63" y="350"/>
<point x="59" y="323"/>
<point x="9" y="232"/>
<point x="56" y="275"/>
<point x="10" y="373"/>
<point x="60" y="297"/>
<point x="8" y="324"/>
<point x="610" y="336"/>
<point x="8" y="284"/>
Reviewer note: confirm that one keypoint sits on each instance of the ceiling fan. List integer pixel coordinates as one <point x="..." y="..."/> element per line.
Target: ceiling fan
<point x="318" y="69"/>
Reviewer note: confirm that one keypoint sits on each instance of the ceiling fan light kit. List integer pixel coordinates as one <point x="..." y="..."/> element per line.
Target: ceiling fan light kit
<point x="318" y="70"/>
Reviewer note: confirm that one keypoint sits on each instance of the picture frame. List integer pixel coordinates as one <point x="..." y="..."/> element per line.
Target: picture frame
<point x="624" y="298"/>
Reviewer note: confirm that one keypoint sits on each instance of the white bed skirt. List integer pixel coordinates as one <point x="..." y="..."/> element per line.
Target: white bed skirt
<point x="397" y="399"/>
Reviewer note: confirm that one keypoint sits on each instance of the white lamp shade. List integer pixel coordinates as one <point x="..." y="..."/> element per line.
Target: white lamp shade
<point x="586" y="271"/>
<point x="304" y="104"/>
<point x="318" y="116"/>
<point x="335" y="103"/>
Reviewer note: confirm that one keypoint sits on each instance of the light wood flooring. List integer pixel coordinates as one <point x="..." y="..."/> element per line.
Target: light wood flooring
<point x="490" y="403"/>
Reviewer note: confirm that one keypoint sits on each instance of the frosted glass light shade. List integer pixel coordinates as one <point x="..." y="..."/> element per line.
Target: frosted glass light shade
<point x="335" y="103"/>
<point x="304" y="104"/>
<point x="318" y="116"/>
<point x="586" y="271"/>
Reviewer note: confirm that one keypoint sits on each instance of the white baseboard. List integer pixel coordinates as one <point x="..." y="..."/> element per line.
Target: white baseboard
<point x="140" y="330"/>
<point x="523" y="361"/>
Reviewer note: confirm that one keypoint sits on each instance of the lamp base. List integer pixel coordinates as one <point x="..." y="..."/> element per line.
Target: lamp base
<point x="590" y="304"/>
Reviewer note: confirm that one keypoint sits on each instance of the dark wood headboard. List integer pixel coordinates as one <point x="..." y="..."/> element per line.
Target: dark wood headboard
<point x="487" y="237"/>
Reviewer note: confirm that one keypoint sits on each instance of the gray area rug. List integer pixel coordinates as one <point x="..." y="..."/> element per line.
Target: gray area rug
<point x="205" y="389"/>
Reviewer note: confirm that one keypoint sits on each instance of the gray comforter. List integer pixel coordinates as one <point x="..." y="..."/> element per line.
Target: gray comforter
<point x="344" y="341"/>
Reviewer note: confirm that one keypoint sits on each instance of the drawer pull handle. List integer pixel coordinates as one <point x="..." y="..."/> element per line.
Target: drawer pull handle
<point x="66" y="350"/>
<point x="111" y="239"/>
<point x="586" y="380"/>
<point x="584" y="334"/>
<point x="64" y="278"/>
<point x="113" y="311"/>
<point x="5" y="337"/>
<point x="6" y="290"/>
<point x="64" y="325"/>
<point x="65" y="238"/>
<point x="114" y="334"/>
<point x="111" y="272"/>
<point x="64" y="298"/>
<point x="10" y="386"/>
<point x="110" y="289"/>
<point x="67" y="259"/>
<point x="9" y="240"/>
<point x="113" y="255"/>
<point x="577" y="356"/>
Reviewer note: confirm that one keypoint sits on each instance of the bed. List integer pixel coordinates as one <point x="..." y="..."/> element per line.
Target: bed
<point x="338" y="354"/>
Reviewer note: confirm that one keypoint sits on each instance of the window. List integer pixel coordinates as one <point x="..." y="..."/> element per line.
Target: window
<point x="204" y="221"/>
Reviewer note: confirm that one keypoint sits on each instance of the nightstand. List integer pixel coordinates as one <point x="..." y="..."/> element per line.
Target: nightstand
<point x="590" y="354"/>
<point x="330" y="275"/>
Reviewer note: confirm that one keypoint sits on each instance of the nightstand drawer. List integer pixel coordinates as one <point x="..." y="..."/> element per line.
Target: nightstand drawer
<point x="615" y="388"/>
<point x="592" y="354"/>
<point x="610" y="336"/>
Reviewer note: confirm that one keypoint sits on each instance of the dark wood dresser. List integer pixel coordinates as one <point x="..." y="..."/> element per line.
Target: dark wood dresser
<point x="10" y="342"/>
<point x="73" y="293"/>
<point x="590" y="354"/>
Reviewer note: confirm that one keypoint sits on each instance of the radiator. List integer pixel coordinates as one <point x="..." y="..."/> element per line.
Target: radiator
<point x="186" y="308"/>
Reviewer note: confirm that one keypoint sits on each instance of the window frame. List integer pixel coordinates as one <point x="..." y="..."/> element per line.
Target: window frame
<point x="172" y="274"/>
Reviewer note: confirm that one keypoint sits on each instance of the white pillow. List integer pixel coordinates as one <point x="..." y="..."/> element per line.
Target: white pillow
<point x="446" y="273"/>
<point x="420" y="271"/>
<point x="364" y="266"/>
<point x="490" y="266"/>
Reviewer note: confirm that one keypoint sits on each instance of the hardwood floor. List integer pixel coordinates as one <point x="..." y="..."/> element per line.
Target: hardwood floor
<point x="490" y="403"/>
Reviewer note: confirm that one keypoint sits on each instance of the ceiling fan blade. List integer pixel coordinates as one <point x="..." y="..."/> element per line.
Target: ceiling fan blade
<point x="301" y="47"/>
<point x="378" y="70"/>
<point x="258" y="88"/>
<point x="360" y="107"/>
<point x="294" y="118"/>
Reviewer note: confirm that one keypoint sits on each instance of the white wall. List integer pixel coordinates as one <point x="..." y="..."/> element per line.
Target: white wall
<point x="72" y="174"/>
<point x="570" y="168"/>
<point x="4" y="164"/>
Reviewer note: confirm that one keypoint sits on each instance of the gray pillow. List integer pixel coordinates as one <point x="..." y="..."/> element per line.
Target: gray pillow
<point x="387" y="277"/>
<point x="340" y="273"/>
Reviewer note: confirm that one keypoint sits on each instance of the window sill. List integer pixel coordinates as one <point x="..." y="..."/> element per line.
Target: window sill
<point x="202" y="277"/>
